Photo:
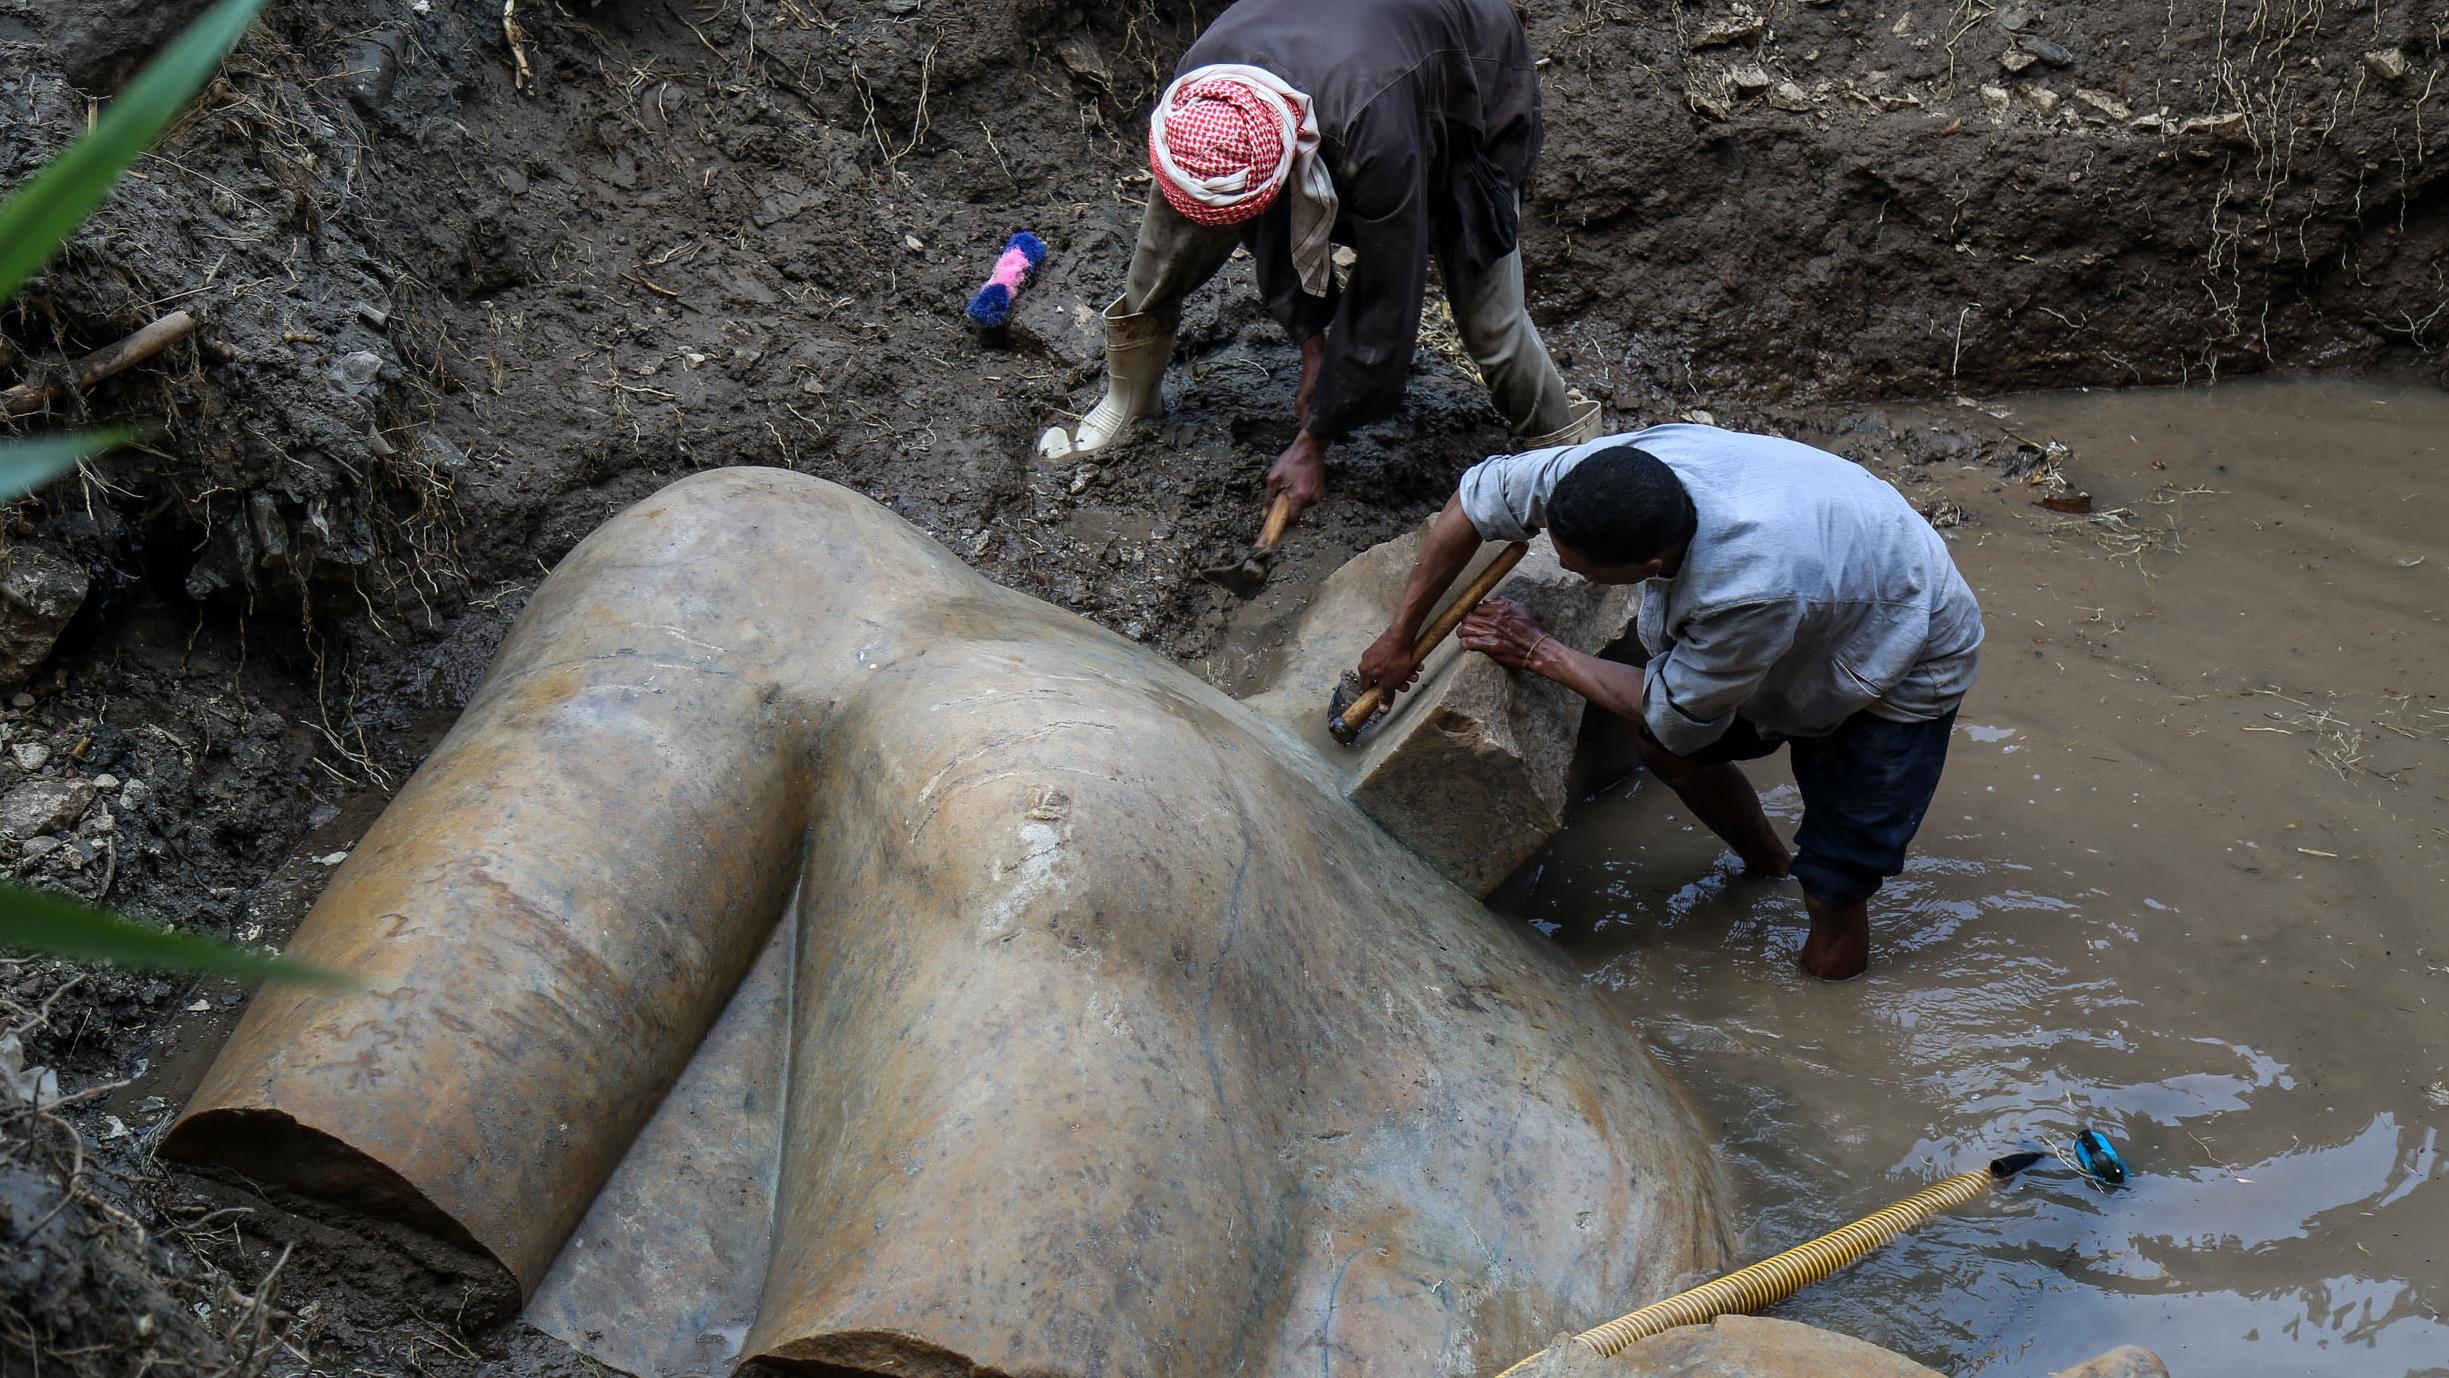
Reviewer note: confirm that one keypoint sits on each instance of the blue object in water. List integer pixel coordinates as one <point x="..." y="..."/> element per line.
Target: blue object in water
<point x="2097" y="1159"/>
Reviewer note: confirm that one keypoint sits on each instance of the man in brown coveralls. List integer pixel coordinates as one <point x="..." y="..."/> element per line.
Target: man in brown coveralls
<point x="1402" y="128"/>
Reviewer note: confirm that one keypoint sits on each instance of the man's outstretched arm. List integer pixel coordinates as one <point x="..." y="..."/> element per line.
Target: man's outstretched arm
<point x="1503" y="630"/>
<point x="1452" y="541"/>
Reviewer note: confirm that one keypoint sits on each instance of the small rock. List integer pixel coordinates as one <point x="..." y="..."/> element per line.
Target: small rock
<point x="900" y="6"/>
<point x="198" y="1006"/>
<point x="21" y="700"/>
<point x="1081" y="480"/>
<point x="2148" y="124"/>
<point x="357" y="371"/>
<point x="1785" y="95"/>
<point x="1996" y="97"/>
<point x="913" y="243"/>
<point x="40" y="590"/>
<point x="2042" y="98"/>
<point x="1344" y="257"/>
<point x="134" y="793"/>
<point x="99" y="823"/>
<point x="373" y="315"/>
<point x="37" y="848"/>
<point x="1083" y="60"/>
<point x="30" y="756"/>
<point x="2105" y="103"/>
<point x="369" y="77"/>
<point x="2015" y="19"/>
<point x="2389" y="64"/>
<point x="2046" y="51"/>
<point x="2228" y="128"/>
<point x="106" y="781"/>
<point x="1750" y="78"/>
<point x="332" y="858"/>
<point x="2014" y="61"/>
<point x="1739" y="24"/>
<point x="1699" y="417"/>
<point x="1704" y="104"/>
<point x="41" y="806"/>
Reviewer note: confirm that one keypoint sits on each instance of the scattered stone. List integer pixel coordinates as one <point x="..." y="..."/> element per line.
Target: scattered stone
<point x="198" y="1006"/>
<point x="40" y="590"/>
<point x="357" y="371"/>
<point x="21" y="700"/>
<point x="900" y="6"/>
<point x="1701" y="417"/>
<point x="134" y="794"/>
<point x="1081" y="480"/>
<point x="2046" y="51"/>
<point x="1750" y="78"/>
<point x="35" y="1086"/>
<point x="30" y="756"/>
<point x="2043" y="99"/>
<point x="1345" y="258"/>
<point x="332" y="858"/>
<point x="1903" y="27"/>
<point x="1083" y="61"/>
<point x="1788" y="96"/>
<point x="41" y="806"/>
<point x="2125" y="1361"/>
<point x="1704" y="104"/>
<point x="2014" y="61"/>
<point x="2231" y="127"/>
<point x="99" y="823"/>
<point x="1996" y="97"/>
<point x="369" y="77"/>
<point x="2105" y="103"/>
<point x="2389" y="64"/>
<point x="1738" y="25"/>
<point x="914" y="244"/>
<point x="2015" y="19"/>
<point x="106" y="781"/>
<point x="37" y="848"/>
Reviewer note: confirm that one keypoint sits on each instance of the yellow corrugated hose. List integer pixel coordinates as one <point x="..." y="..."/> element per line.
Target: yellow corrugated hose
<point x="1772" y="1280"/>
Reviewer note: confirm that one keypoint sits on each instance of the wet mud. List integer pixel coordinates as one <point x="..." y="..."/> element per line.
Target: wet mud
<point x="2180" y="883"/>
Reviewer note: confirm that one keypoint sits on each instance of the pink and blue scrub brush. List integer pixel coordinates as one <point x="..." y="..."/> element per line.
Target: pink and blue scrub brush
<point x="992" y="306"/>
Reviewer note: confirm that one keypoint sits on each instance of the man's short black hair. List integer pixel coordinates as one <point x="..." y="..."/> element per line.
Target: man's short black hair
<point x="1620" y="506"/>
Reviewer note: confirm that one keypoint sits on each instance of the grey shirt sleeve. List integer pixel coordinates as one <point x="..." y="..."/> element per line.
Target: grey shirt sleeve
<point x="1689" y="693"/>
<point x="1506" y="496"/>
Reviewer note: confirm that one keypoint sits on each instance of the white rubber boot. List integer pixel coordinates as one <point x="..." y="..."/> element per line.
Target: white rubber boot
<point x="1584" y="427"/>
<point x="1137" y="349"/>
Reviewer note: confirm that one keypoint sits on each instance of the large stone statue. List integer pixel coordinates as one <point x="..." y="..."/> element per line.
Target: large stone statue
<point x="1040" y="1008"/>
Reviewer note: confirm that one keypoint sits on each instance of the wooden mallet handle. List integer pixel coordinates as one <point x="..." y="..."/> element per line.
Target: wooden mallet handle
<point x="1271" y="532"/>
<point x="1358" y="715"/>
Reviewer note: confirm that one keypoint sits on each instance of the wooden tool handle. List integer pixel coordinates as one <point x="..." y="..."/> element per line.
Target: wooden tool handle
<point x="1279" y="516"/>
<point x="1442" y="627"/>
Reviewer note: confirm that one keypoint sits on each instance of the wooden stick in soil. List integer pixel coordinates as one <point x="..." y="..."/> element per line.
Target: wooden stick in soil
<point x="102" y="363"/>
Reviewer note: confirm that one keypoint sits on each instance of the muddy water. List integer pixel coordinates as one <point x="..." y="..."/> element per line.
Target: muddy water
<point x="2183" y="881"/>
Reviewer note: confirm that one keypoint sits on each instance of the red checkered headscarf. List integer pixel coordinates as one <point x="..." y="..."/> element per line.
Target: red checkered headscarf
<point x="1225" y="140"/>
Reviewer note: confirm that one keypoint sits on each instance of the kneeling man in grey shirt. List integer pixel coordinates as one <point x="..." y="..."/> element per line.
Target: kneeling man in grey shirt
<point x="1790" y="599"/>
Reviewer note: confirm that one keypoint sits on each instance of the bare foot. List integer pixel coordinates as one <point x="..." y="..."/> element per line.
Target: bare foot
<point x="1839" y="948"/>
